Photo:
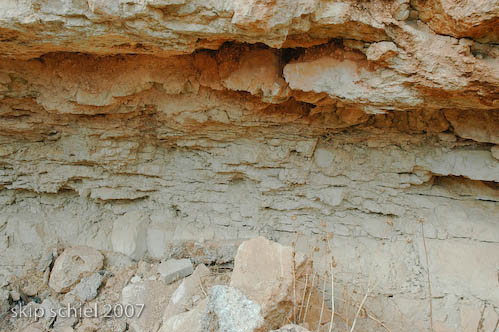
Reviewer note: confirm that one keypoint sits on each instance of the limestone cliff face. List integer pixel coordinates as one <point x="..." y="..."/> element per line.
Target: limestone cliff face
<point x="223" y="119"/>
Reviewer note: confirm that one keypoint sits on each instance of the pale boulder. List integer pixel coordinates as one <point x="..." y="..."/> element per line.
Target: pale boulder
<point x="265" y="271"/>
<point x="184" y="296"/>
<point x="73" y="264"/>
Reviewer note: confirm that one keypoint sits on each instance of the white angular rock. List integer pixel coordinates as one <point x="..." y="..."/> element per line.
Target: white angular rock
<point x="46" y="260"/>
<point x="129" y="234"/>
<point x="73" y="264"/>
<point x="186" y="321"/>
<point x="183" y="298"/>
<point x="174" y="269"/>
<point x="153" y="295"/>
<point x="265" y="272"/>
<point x="86" y="289"/>
<point x="229" y="310"/>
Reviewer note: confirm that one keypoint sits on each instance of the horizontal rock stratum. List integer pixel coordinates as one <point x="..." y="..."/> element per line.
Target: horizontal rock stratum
<point x="175" y="129"/>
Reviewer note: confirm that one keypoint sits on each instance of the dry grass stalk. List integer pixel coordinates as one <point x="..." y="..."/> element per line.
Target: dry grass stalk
<point x="315" y="249"/>
<point x="370" y="316"/>
<point x="309" y="296"/>
<point x="377" y="321"/>
<point x="323" y="303"/>
<point x="294" y="291"/>
<point x="427" y="274"/>
<point x="331" y="323"/>
<point x="348" y="304"/>
<point x="360" y="309"/>
<point x="331" y="268"/>
<point x="294" y="279"/>
<point x="497" y="326"/>
<point x="300" y="310"/>
<point x="202" y="288"/>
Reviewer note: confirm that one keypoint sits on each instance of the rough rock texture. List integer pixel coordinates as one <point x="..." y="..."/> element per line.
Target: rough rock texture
<point x="215" y="121"/>
<point x="151" y="292"/>
<point x="270" y="274"/>
<point x="72" y="265"/>
<point x="229" y="310"/>
<point x="87" y="288"/>
<point x="188" y="293"/>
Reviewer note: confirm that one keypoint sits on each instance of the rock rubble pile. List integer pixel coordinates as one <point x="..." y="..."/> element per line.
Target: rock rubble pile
<point x="90" y="291"/>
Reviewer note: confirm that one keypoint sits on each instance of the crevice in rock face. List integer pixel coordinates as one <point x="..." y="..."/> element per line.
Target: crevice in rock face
<point x="466" y="188"/>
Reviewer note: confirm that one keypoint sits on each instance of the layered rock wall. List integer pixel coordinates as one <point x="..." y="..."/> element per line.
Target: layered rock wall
<point x="198" y="122"/>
